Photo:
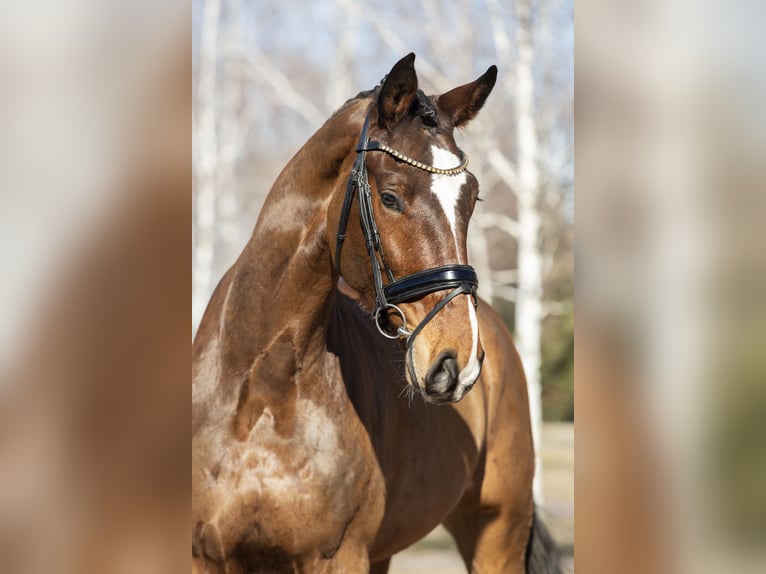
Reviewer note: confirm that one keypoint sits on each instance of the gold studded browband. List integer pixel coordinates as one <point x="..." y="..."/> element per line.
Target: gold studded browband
<point x="373" y="146"/>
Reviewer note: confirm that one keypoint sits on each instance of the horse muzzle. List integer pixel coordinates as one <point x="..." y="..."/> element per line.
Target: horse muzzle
<point x="445" y="382"/>
<point x="442" y="378"/>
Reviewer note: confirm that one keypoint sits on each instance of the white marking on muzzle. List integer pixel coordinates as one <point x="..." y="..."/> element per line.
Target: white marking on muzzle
<point x="471" y="371"/>
<point x="447" y="189"/>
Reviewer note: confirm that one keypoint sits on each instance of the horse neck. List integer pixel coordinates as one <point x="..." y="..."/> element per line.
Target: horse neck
<point x="284" y="279"/>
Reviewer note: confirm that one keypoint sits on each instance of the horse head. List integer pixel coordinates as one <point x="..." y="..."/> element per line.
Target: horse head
<point x="404" y="248"/>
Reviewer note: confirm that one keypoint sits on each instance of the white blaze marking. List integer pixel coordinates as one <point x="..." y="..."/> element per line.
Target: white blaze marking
<point x="447" y="190"/>
<point x="447" y="187"/>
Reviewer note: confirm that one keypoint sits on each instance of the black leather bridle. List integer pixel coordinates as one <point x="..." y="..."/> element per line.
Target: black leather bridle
<point x="461" y="279"/>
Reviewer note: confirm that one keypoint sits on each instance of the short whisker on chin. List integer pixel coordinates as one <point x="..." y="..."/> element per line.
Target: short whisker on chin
<point x="408" y="391"/>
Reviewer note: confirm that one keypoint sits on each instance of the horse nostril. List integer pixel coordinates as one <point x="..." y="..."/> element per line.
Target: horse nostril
<point x="442" y="376"/>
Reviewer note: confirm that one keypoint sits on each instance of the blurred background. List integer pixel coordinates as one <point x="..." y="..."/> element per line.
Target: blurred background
<point x="267" y="74"/>
<point x="671" y="277"/>
<point x="95" y="173"/>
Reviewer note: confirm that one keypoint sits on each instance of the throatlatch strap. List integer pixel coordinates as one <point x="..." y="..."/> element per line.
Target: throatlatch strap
<point x="358" y="173"/>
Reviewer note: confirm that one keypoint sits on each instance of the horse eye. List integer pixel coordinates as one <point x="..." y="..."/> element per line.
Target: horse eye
<point x="390" y="201"/>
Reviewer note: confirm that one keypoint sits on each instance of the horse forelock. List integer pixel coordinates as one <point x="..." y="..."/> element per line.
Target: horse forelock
<point x="423" y="106"/>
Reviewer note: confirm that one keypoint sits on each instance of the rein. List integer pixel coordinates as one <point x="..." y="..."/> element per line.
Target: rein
<point x="461" y="279"/>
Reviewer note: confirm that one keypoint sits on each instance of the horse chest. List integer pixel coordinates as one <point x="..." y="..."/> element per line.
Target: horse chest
<point x="298" y="463"/>
<point x="300" y="490"/>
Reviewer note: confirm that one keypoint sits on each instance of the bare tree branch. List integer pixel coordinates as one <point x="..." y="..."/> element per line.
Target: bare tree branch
<point x="500" y="221"/>
<point x="558" y="308"/>
<point x="506" y="292"/>
<point x="340" y="87"/>
<point x="425" y="68"/>
<point x="504" y="168"/>
<point x="505" y="276"/>
<point x="289" y="95"/>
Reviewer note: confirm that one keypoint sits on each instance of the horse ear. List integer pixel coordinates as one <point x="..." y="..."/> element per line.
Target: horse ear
<point x="464" y="102"/>
<point x="397" y="93"/>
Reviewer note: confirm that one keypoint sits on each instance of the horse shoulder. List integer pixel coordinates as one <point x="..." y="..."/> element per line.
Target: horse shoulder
<point x="280" y="447"/>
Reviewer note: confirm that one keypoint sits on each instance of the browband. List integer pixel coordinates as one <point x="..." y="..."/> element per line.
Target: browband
<point x="377" y="146"/>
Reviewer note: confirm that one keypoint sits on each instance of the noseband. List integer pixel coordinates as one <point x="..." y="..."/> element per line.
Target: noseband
<point x="461" y="279"/>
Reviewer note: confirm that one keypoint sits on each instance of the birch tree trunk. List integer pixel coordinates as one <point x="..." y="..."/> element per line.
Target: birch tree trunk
<point x="207" y="153"/>
<point x="529" y="298"/>
<point x="233" y="115"/>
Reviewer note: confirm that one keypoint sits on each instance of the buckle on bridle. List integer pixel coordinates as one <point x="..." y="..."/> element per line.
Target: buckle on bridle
<point x="401" y="331"/>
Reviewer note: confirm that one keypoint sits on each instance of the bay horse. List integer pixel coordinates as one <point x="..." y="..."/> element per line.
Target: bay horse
<point x="305" y="455"/>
